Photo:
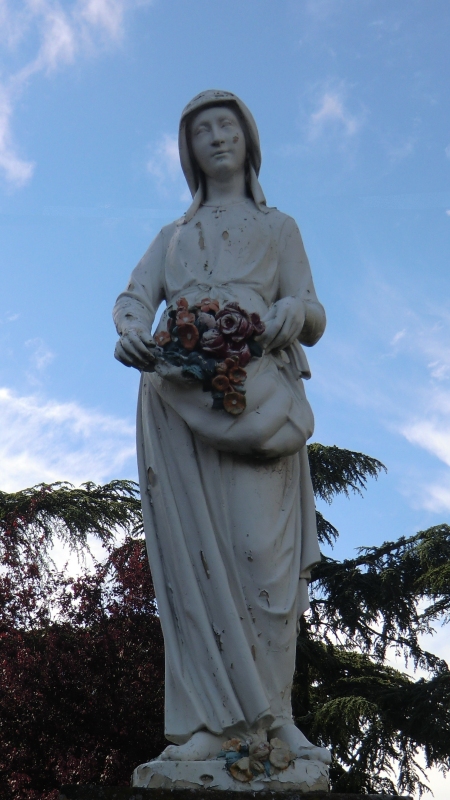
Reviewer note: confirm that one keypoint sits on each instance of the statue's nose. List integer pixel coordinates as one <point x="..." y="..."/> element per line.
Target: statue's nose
<point x="218" y="137"/>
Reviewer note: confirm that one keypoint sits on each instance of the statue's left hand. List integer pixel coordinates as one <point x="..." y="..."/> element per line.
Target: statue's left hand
<point x="284" y="322"/>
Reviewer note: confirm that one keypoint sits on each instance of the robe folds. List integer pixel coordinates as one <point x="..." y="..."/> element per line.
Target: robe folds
<point x="227" y="501"/>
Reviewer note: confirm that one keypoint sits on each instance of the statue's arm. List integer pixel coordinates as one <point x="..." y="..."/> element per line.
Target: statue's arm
<point x="296" y="282"/>
<point x="136" y="307"/>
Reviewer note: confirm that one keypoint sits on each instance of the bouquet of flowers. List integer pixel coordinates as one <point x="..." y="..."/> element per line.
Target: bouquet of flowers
<point x="214" y="346"/>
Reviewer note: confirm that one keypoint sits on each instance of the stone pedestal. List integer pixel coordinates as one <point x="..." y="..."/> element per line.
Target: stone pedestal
<point x="125" y="793"/>
<point x="301" y="776"/>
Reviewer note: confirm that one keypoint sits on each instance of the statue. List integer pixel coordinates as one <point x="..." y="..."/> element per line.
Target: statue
<point x="222" y="427"/>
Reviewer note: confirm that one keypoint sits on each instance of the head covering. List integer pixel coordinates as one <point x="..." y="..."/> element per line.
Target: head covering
<point x="215" y="97"/>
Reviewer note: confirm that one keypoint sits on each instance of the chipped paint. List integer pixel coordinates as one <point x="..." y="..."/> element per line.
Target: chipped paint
<point x="205" y="564"/>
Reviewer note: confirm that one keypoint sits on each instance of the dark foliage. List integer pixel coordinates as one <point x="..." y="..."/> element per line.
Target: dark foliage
<point x="81" y="691"/>
<point x="81" y="661"/>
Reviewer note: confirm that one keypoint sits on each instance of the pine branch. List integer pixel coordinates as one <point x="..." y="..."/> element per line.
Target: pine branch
<point x="337" y="471"/>
<point x="376" y="600"/>
<point x="372" y="716"/>
<point x="35" y="518"/>
<point x="326" y="532"/>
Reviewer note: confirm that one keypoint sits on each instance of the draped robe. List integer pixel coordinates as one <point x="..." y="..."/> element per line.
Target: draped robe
<point x="227" y="501"/>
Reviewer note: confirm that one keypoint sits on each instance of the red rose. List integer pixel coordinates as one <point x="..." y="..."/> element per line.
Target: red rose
<point x="242" y="352"/>
<point x="228" y="322"/>
<point x="258" y="325"/>
<point x="182" y="304"/>
<point x="244" y="331"/>
<point x="213" y="343"/>
<point x="235" y="322"/>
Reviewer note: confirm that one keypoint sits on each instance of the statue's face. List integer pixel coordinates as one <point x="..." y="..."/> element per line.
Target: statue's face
<point x="218" y="142"/>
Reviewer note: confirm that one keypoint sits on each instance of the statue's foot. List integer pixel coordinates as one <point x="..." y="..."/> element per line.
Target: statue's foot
<point x="202" y="746"/>
<point x="299" y="745"/>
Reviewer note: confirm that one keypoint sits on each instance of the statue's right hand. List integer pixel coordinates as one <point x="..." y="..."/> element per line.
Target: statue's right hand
<point x="134" y="349"/>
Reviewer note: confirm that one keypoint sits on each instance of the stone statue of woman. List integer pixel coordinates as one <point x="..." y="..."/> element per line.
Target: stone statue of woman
<point x="227" y="498"/>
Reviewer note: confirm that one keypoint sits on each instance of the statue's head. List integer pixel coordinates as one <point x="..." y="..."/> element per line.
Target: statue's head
<point x="217" y="142"/>
<point x="220" y="112"/>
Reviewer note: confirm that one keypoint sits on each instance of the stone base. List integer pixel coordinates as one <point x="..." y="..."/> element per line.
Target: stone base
<point x="124" y="793"/>
<point x="301" y="776"/>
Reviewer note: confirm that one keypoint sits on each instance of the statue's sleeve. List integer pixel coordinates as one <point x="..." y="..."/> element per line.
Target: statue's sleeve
<point x="138" y="304"/>
<point x="296" y="281"/>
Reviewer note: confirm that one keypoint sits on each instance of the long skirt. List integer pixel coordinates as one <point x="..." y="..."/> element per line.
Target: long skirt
<point x="230" y="540"/>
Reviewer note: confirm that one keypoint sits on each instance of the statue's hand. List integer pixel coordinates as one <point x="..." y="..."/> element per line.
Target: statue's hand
<point x="135" y="348"/>
<point x="284" y="322"/>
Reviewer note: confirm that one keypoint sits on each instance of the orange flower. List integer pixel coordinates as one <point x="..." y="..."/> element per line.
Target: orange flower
<point x="182" y="303"/>
<point x="184" y="316"/>
<point x="220" y="383"/>
<point x="162" y="338"/>
<point x="234" y="403"/>
<point x="233" y="361"/>
<point x="237" y="375"/>
<point x="188" y="335"/>
<point x="209" y="305"/>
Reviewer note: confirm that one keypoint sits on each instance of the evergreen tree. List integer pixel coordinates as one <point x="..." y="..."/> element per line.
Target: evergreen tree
<point x="81" y="695"/>
<point x="375" y="719"/>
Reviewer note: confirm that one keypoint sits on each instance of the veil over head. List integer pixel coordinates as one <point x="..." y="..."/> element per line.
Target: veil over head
<point x="215" y="97"/>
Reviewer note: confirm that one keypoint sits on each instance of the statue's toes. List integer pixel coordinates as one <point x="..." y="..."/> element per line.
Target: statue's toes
<point x="169" y="754"/>
<point x="315" y="754"/>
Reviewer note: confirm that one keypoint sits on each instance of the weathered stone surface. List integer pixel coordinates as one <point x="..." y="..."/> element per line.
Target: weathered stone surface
<point x="125" y="793"/>
<point x="301" y="776"/>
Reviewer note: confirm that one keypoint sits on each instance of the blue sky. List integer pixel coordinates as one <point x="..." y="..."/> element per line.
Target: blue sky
<point x="351" y="99"/>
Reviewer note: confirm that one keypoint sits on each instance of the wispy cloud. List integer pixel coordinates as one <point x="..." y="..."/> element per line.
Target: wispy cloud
<point x="43" y="36"/>
<point x="402" y="150"/>
<point x="164" y="163"/>
<point x="40" y="355"/>
<point x="45" y="440"/>
<point x="395" y="366"/>
<point x="333" y="116"/>
<point x="164" y="166"/>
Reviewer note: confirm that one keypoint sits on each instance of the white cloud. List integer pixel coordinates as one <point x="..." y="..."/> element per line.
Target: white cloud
<point x="431" y="434"/>
<point x="16" y="170"/>
<point x="58" y="31"/>
<point x="331" y="114"/>
<point x="45" y="440"/>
